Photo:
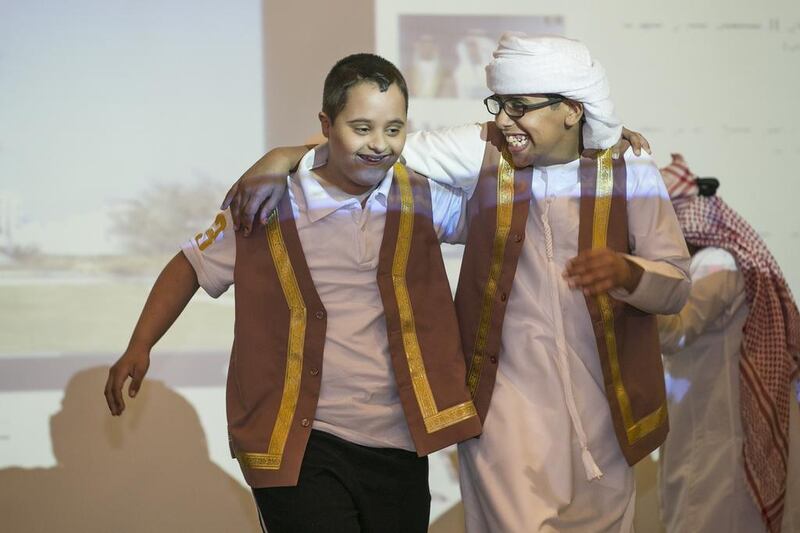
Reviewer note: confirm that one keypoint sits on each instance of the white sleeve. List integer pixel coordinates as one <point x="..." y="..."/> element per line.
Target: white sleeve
<point x="716" y="286"/>
<point x="450" y="156"/>
<point x="212" y="254"/>
<point x="656" y="242"/>
<point x="449" y="210"/>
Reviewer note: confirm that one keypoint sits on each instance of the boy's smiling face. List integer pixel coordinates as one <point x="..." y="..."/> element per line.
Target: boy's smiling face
<point x="547" y="135"/>
<point x="366" y="138"/>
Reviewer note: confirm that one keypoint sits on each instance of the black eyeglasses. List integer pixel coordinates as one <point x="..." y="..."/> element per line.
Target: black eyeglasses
<point x="514" y="107"/>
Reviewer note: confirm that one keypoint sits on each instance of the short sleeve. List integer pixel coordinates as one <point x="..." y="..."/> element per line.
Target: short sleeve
<point x="212" y="254"/>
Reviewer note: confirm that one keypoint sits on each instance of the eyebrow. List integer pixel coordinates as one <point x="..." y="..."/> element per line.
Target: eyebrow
<point x="546" y="96"/>
<point x="527" y="97"/>
<point x="368" y="121"/>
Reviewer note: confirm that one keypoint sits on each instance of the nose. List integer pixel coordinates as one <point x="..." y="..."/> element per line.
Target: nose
<point x="377" y="143"/>
<point x="503" y="121"/>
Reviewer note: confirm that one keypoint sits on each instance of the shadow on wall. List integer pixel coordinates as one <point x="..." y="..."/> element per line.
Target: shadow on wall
<point x="148" y="470"/>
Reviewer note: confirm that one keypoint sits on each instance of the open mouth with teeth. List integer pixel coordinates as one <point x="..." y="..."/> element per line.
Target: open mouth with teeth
<point x="517" y="142"/>
<point x="373" y="159"/>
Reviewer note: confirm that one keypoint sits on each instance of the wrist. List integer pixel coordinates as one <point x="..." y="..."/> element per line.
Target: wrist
<point x="633" y="277"/>
<point x="140" y="345"/>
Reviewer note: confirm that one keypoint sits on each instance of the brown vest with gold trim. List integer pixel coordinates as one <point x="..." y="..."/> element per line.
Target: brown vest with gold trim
<point x="627" y="338"/>
<point x="277" y="359"/>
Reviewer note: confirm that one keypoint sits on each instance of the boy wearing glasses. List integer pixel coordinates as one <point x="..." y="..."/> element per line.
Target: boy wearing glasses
<point x="567" y="261"/>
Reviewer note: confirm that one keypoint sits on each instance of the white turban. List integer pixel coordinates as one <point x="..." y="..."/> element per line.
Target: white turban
<point x="549" y="64"/>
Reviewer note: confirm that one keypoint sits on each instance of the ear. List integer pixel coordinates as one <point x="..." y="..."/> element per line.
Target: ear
<point x="574" y="113"/>
<point x="325" y="123"/>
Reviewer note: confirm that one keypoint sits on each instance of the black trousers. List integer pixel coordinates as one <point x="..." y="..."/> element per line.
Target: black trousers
<point x="347" y="488"/>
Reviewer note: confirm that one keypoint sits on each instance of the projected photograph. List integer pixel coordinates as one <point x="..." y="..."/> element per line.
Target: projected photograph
<point x="443" y="56"/>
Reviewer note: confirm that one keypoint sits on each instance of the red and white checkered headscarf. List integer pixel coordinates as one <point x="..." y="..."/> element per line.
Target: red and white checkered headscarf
<point x="680" y="181"/>
<point x="771" y="343"/>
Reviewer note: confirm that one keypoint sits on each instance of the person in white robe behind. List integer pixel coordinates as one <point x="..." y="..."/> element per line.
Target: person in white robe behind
<point x="705" y="483"/>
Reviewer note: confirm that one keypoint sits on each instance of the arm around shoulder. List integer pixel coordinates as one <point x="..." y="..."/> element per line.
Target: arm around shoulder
<point x="450" y="156"/>
<point x="257" y="192"/>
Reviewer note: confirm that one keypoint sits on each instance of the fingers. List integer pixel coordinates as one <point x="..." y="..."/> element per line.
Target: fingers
<point x="255" y="199"/>
<point x="234" y="206"/>
<point x="112" y="404"/>
<point x="593" y="282"/>
<point x="646" y="145"/>
<point x="249" y="212"/>
<point x="633" y="140"/>
<point x="629" y="139"/>
<point x="137" y="375"/>
<point x="135" y="368"/>
<point x="237" y="209"/>
<point x="262" y="201"/>
<point x="113" y="392"/>
<point x="593" y="271"/>
<point x="598" y="287"/>
<point x="229" y="196"/>
<point x="584" y="261"/>
<point x="263" y="213"/>
<point x="637" y="141"/>
<point x="270" y="205"/>
<point x="620" y="148"/>
<point x="587" y="276"/>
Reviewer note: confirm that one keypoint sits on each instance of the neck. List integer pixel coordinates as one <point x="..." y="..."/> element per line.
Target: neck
<point x="556" y="159"/>
<point x="339" y="180"/>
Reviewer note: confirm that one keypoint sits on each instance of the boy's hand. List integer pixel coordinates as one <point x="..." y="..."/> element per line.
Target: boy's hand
<point x="629" y="139"/>
<point x="260" y="189"/>
<point x="253" y="195"/>
<point x="599" y="270"/>
<point x="134" y="364"/>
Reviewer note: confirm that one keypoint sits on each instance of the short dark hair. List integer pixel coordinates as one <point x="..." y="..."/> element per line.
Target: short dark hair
<point x="355" y="69"/>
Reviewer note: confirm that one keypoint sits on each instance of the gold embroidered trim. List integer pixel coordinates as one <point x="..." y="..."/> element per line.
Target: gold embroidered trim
<point x="434" y="419"/>
<point x="450" y="416"/>
<point x="634" y="430"/>
<point x="505" y="209"/>
<point x="259" y="461"/>
<point x="294" y="354"/>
